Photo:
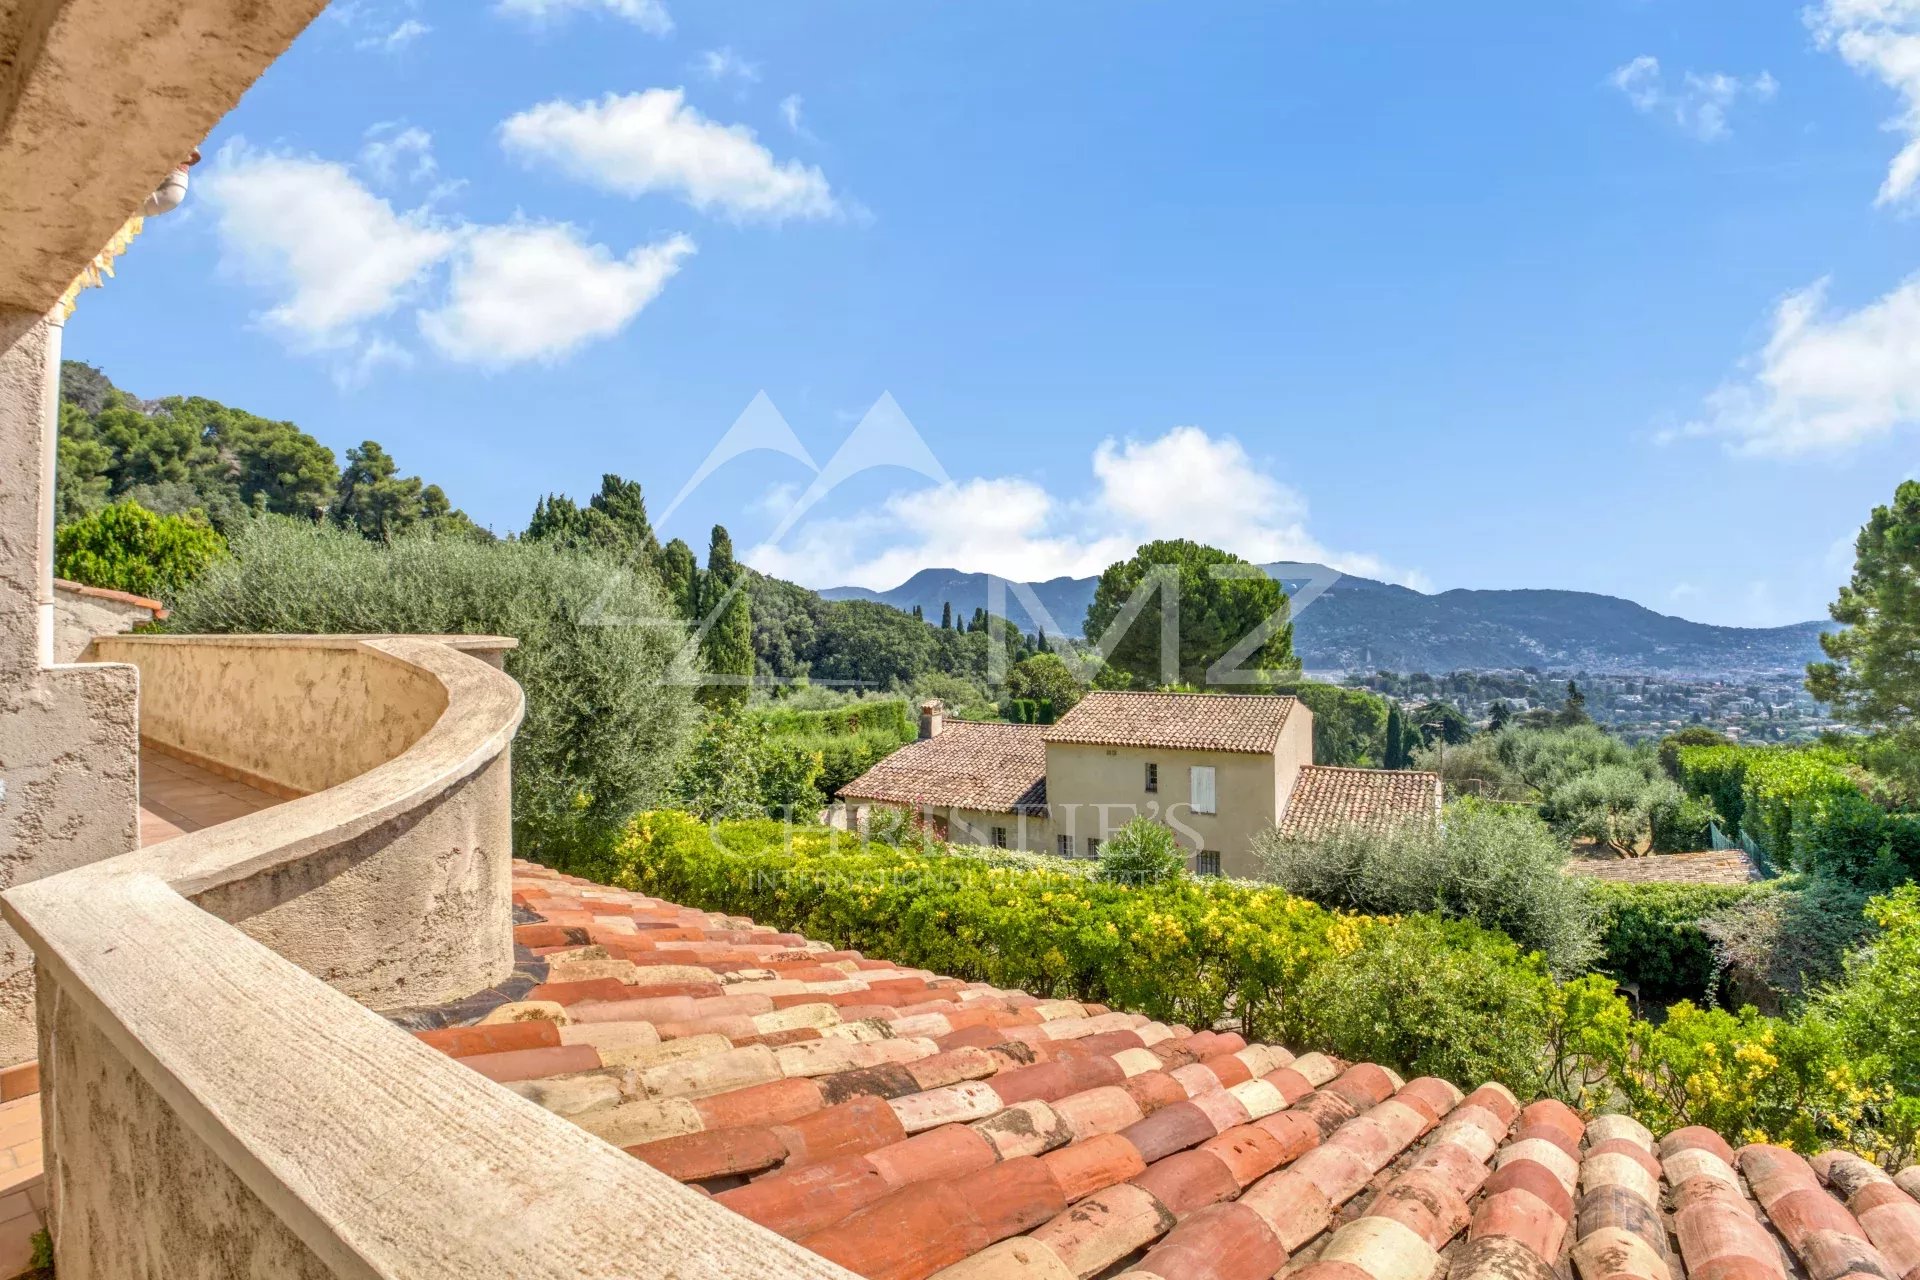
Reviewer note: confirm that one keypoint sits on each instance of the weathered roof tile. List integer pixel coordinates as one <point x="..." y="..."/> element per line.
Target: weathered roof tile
<point x="1326" y="798"/>
<point x="1003" y="1149"/>
<point x="1178" y="721"/>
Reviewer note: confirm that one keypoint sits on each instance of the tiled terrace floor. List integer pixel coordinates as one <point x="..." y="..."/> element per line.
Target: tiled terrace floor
<point x="177" y="797"/>
<point x="909" y="1125"/>
<point x="23" y="1195"/>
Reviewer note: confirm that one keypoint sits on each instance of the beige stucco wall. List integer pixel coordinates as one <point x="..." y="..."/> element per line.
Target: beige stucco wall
<point x="1091" y="789"/>
<point x="68" y="739"/>
<point x="304" y="713"/>
<point x="80" y="614"/>
<point x="121" y="1162"/>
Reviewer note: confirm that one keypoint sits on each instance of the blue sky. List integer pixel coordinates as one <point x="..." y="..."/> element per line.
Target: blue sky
<point x="1608" y="295"/>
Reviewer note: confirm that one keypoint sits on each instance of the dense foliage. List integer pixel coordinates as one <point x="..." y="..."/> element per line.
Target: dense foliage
<point x="1417" y="993"/>
<point x="1499" y="867"/>
<point x="1872" y="677"/>
<point x="1142" y="852"/>
<point x="1804" y="809"/>
<point x="1214" y="602"/>
<point x="847" y="740"/>
<point x="187" y="453"/>
<point x="1651" y="939"/>
<point x="609" y="708"/>
<point x="126" y="547"/>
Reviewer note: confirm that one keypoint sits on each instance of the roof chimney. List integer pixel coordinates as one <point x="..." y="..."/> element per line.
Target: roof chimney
<point x="933" y="717"/>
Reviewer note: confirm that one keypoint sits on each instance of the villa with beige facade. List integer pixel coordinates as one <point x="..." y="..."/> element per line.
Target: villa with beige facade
<point x="1217" y="769"/>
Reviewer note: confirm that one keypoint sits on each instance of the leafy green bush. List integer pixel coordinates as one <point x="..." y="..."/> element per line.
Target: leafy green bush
<point x="848" y="739"/>
<point x="1803" y="807"/>
<point x="1415" y="993"/>
<point x="609" y="707"/>
<point x="126" y="547"/>
<point x="1456" y="995"/>
<point x="1876" y="1010"/>
<point x="736" y="768"/>
<point x="1772" y="948"/>
<point x="1497" y="866"/>
<point x="1142" y="852"/>
<point x="1650" y="935"/>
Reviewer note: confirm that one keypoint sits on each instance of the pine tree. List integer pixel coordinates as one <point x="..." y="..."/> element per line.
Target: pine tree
<point x="946" y="615"/>
<point x="728" y="644"/>
<point x="1574" y="710"/>
<point x="1396" y="755"/>
<point x="1498" y="715"/>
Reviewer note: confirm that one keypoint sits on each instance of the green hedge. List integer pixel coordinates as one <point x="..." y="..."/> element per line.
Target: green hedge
<point x="847" y="740"/>
<point x="1803" y="808"/>
<point x="1467" y="1002"/>
<point x="1650" y="935"/>
<point x="1417" y="993"/>
<point x="892" y="716"/>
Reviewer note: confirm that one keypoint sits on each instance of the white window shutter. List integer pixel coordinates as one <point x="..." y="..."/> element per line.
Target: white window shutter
<point x="1201" y="788"/>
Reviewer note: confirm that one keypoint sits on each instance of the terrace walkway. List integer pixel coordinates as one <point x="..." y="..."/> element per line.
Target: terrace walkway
<point x="177" y="797"/>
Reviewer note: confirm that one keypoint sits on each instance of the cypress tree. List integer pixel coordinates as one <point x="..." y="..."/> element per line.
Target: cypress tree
<point x="680" y="575"/>
<point x="728" y="644"/>
<point x="917" y="615"/>
<point x="1396" y="755"/>
<point x="946" y="615"/>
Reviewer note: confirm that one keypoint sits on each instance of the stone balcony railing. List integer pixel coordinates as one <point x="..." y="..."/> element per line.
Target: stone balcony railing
<point x="220" y="1095"/>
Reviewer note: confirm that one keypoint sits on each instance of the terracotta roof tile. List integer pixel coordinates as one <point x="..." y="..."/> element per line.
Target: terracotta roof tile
<point x="1325" y="798"/>
<point x="998" y="768"/>
<point x="1046" y="1138"/>
<point x="1179" y="721"/>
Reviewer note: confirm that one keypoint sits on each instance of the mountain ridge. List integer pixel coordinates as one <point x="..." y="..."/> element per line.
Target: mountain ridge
<point x="1358" y="624"/>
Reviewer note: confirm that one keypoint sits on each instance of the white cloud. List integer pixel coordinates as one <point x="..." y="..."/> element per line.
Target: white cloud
<point x="391" y="147"/>
<point x="307" y="228"/>
<point x="790" y="112"/>
<point x="340" y="262"/>
<point x="725" y="64"/>
<point x="355" y="373"/>
<point x="1824" y="382"/>
<point x="653" y="141"/>
<point x="1184" y="484"/>
<point x="1696" y="103"/>
<point x="649" y="15"/>
<point x="408" y="31"/>
<point x="538" y="291"/>
<point x="1881" y="38"/>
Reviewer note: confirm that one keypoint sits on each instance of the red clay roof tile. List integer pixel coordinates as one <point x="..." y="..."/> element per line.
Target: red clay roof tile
<point x="1051" y="1138"/>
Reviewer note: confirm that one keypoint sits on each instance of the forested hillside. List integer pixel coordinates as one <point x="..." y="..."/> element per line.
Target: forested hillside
<point x="183" y="454"/>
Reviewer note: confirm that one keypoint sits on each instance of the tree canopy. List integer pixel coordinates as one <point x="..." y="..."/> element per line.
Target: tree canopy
<point x="184" y="454"/>
<point x="1872" y="676"/>
<point x="1214" y="601"/>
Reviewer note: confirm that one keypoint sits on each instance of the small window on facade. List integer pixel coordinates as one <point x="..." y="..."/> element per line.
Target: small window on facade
<point x="1093" y="846"/>
<point x="999" y="837"/>
<point x="1153" y="777"/>
<point x="1206" y="863"/>
<point x="1064" y="844"/>
<point x="1201" y="778"/>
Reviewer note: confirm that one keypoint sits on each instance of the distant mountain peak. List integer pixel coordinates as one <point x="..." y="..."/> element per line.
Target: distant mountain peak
<point x="1361" y="624"/>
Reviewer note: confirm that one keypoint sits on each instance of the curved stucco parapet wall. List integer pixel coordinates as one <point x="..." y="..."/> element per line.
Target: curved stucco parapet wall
<point x="217" y="1111"/>
<point x="290" y="714"/>
<point x="391" y="882"/>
